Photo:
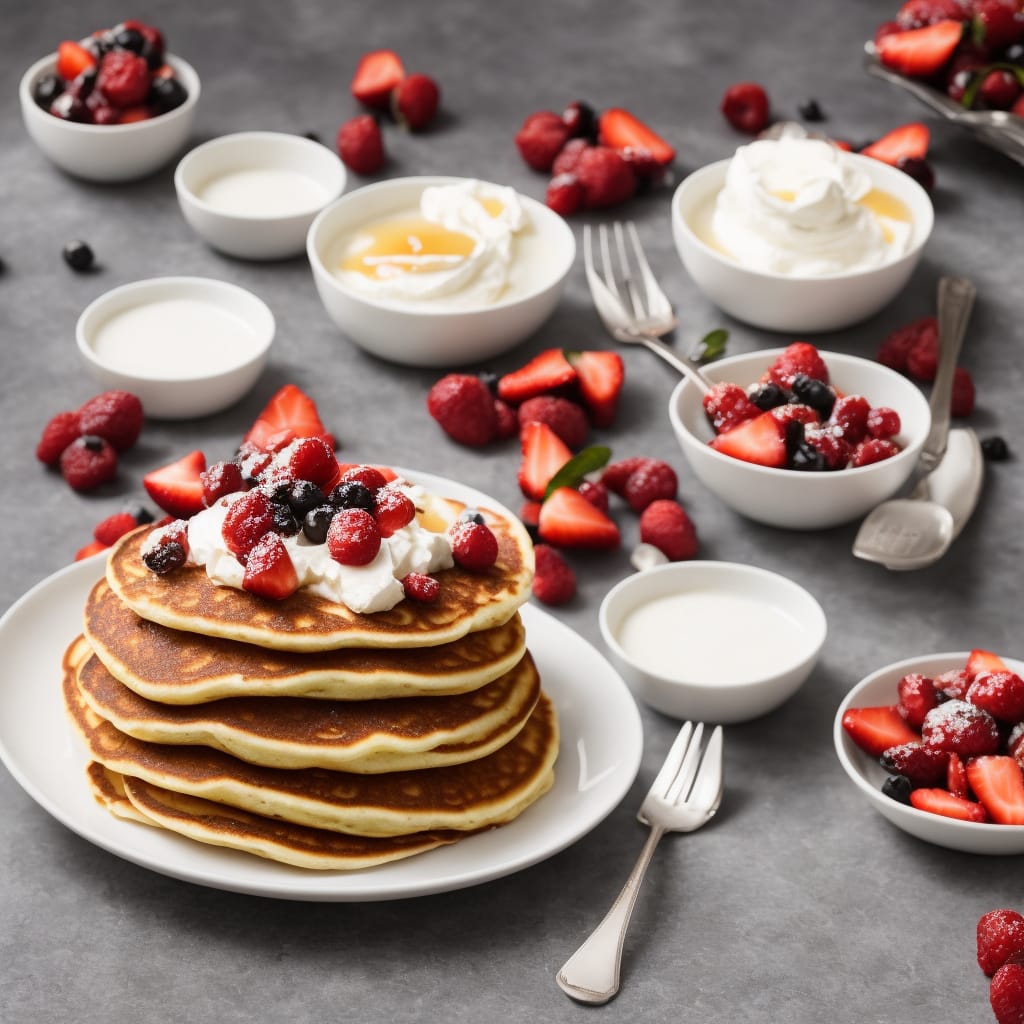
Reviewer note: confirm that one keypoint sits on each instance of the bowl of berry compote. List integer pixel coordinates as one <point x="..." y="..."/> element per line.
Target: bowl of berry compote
<point x="114" y="106"/>
<point x="801" y="439"/>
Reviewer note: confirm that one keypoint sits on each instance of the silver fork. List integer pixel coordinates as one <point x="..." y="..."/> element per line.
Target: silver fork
<point x="685" y="795"/>
<point x="629" y="299"/>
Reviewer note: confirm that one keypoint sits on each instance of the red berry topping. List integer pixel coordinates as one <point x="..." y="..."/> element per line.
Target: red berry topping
<point x="745" y="106"/>
<point x="666" y="525"/>
<point x="289" y="414"/>
<point x="918" y="13"/>
<point x="547" y="371"/>
<point x="113" y="415"/>
<point x="361" y="145"/>
<point x="166" y="548"/>
<point x="415" y="101"/>
<point x="123" y="78"/>
<point x="795" y="411"/>
<point x="1006" y="994"/>
<point x="111" y="529"/>
<point x="918" y="696"/>
<point x="394" y="510"/>
<point x="565" y="418"/>
<point x="1000" y="934"/>
<point x="962" y="399"/>
<point x="1001" y="694"/>
<point x="353" y="537"/>
<point x="956" y="777"/>
<point x="369" y="476"/>
<point x="312" y="458"/>
<point x="178" y="487"/>
<point x="220" y="479"/>
<point x="596" y="493"/>
<point x="421" y="587"/>
<point x="883" y="422"/>
<point x="798" y="358"/>
<point x="849" y="418"/>
<point x="761" y="441"/>
<point x="653" y="481"/>
<point x="377" y="74"/>
<point x="554" y="582"/>
<point x="565" y="194"/>
<point x="474" y="546"/>
<point x="727" y="405"/>
<point x="961" y="728"/>
<point x="541" y="138"/>
<point x="924" y="766"/>
<point x="88" y="462"/>
<point x="57" y="435"/>
<point x="616" y="474"/>
<point x="955" y="683"/>
<point x="249" y="517"/>
<point x="464" y="407"/>
<point x="873" y="450"/>
<point x="605" y="176"/>
<point x="269" y="571"/>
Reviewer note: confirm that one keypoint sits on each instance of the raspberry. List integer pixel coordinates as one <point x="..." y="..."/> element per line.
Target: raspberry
<point x="799" y="358"/>
<point x="464" y="407"/>
<point x="361" y="145"/>
<point x="873" y="450"/>
<point x="615" y="476"/>
<point x="568" y="158"/>
<point x="796" y="411"/>
<point x="961" y="728"/>
<point x="394" y="510"/>
<point x="895" y="349"/>
<point x="596" y="493"/>
<point x="421" y="587"/>
<point x="652" y="481"/>
<point x="115" y="416"/>
<point x="57" y="435"/>
<point x="541" y="138"/>
<point x="1006" y="993"/>
<point x="923" y="357"/>
<point x="415" y="100"/>
<point x="506" y="420"/>
<point x="665" y="525"/>
<point x="565" y="418"/>
<point x="249" y="517"/>
<point x="353" y="538"/>
<point x="745" y="106"/>
<point x="962" y="400"/>
<point x="918" y="696"/>
<point x="123" y="78"/>
<point x="88" y="462"/>
<point x="606" y="178"/>
<point x="835" y="450"/>
<point x="312" y="458"/>
<point x="883" y="422"/>
<point x="554" y="582"/>
<point x="850" y="418"/>
<point x="220" y="479"/>
<point x="565" y="195"/>
<point x="114" y="527"/>
<point x="727" y="405"/>
<point x="372" y="479"/>
<point x="474" y="546"/>
<point x="1000" y="934"/>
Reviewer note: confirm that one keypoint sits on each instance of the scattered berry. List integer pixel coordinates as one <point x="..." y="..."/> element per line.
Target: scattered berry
<point x="506" y="420"/>
<point x="541" y="138"/>
<point x="616" y="474"/>
<point x="353" y="538"/>
<point x="554" y="582"/>
<point x="565" y="418"/>
<point x="652" y="481"/>
<point x="745" y="106"/>
<point x="567" y="519"/>
<point x="94" y="547"/>
<point x="371" y="477"/>
<point x="581" y="120"/>
<point x="114" y="527"/>
<point x="810" y="110"/>
<point x="544" y="454"/>
<point x="361" y="145"/>
<point x="312" y="458"/>
<point x="78" y="255"/>
<point x="421" y="587"/>
<point x="464" y="407"/>
<point x="565" y="195"/>
<point x="548" y="371"/>
<point x="623" y="131"/>
<point x="961" y="728"/>
<point x="115" y="416"/>
<point x="921" y="52"/>
<point x="474" y="546"/>
<point x="1000" y="934"/>
<point x="88" y="462"/>
<point x="908" y="140"/>
<point x="596" y="493"/>
<point x="995" y="449"/>
<point x="666" y="525"/>
<point x="569" y="156"/>
<point x="377" y="75"/>
<point x="1006" y="994"/>
<point x="919" y="169"/>
<point x="415" y="101"/>
<point x="289" y="414"/>
<point x="606" y="178"/>
<point x="895" y="350"/>
<point x="178" y="487"/>
<point x="601" y="375"/>
<point x="58" y="433"/>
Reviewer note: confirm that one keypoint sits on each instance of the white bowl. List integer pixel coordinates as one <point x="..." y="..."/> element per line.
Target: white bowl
<point x="114" y="152"/>
<point x="695" y="670"/>
<point x="797" y="304"/>
<point x="867" y="774"/>
<point x="436" y="335"/>
<point x="255" y="194"/>
<point x="187" y="346"/>
<point x="789" y="498"/>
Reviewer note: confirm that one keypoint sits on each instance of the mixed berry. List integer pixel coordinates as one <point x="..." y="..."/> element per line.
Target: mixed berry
<point x="114" y="76"/>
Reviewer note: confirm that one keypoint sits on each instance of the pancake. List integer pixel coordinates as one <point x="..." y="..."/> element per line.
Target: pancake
<point x="355" y="736"/>
<point x="108" y="789"/>
<point x="165" y="665"/>
<point x="188" y="600"/>
<point x="470" y="796"/>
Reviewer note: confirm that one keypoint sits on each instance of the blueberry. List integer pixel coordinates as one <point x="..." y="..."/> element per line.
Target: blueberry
<point x="285" y="522"/>
<point x="78" y="255"/>
<point x="166" y="558"/>
<point x="304" y="495"/>
<point x="84" y="84"/>
<point x="46" y="90"/>
<point x="312" y="136"/>
<point x="316" y="523"/>
<point x="918" y="169"/>
<point x="810" y="110"/>
<point x="490" y="380"/>
<point x="995" y="449"/>
<point x="167" y="93"/>
<point x="807" y="458"/>
<point x="129" y="39"/>
<point x="472" y="516"/>
<point x="92" y="442"/>
<point x="140" y="514"/>
<point x="819" y="396"/>
<point x="352" y="494"/>
<point x="898" y="788"/>
<point x="69" y="108"/>
<point x="768" y="396"/>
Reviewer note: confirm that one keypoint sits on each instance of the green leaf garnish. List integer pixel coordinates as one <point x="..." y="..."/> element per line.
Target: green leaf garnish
<point x="578" y="467"/>
<point x="712" y="345"/>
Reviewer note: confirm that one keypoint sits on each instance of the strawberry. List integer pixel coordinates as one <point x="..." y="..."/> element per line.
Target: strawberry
<point x="998" y="783"/>
<point x="90" y="549"/>
<point x="940" y="801"/>
<point x="474" y="545"/>
<point x="918" y="696"/>
<point x="548" y="371"/>
<point x="876" y="729"/>
<point x="761" y="440"/>
<point x="956" y="777"/>
<point x="918" y="13"/>
<point x="464" y="408"/>
<point x="999" y="89"/>
<point x="529" y="513"/>
<point x="544" y="454"/>
<point x="123" y="78"/>
<point x="616" y="474"/>
<point x="554" y="582"/>
<point x="114" y="527"/>
<point x="745" y="106"/>
<point x="567" y="519"/>
<point x="909" y="140"/>
<point x="921" y="52"/>
<point x="394" y="510"/>
<point x="311" y="458"/>
<point x="541" y="138"/>
<point x="221" y="478"/>
<point x="727" y="405"/>
<point x="88" y="462"/>
<point x="1000" y="934"/>
<point x="248" y="518"/>
<point x="113" y="415"/>
<point x="178" y="487"/>
<point x="420" y="587"/>
<point x="800" y="357"/>
<point x="565" y="418"/>
<point x="924" y="766"/>
<point x="72" y="60"/>
<point x="601" y="375"/>
<point x="377" y="75"/>
<point x="353" y="538"/>
<point x="269" y="571"/>
<point x="414" y="101"/>
<point x="1006" y="993"/>
<point x="979" y="661"/>
<point x="605" y="176"/>
<point x="666" y="525"/>
<point x="961" y="728"/>
<point x="653" y="481"/>
<point x="361" y="145"/>
<point x="872" y="450"/>
<point x="961" y="402"/>
<point x="289" y="414"/>
<point x="621" y="130"/>
<point x="565" y="194"/>
<point x="373" y="478"/>
<point x="1001" y="694"/>
<point x="58" y="433"/>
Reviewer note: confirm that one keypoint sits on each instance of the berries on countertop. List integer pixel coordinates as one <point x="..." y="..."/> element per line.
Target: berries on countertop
<point x="361" y="145"/>
<point x="605" y="177"/>
<point x="665" y="524"/>
<point x="463" y="406"/>
<point x="541" y="138"/>
<point x="654" y="480"/>
<point x="999" y="935"/>
<point x="415" y="100"/>
<point x="745" y="106"/>
<point x="178" y="487"/>
<point x="554" y="582"/>
<point x="59" y="432"/>
<point x="377" y="75"/>
<point x="88" y="462"/>
<point x="564" y="417"/>
<point x="78" y="255"/>
<point x="114" y="415"/>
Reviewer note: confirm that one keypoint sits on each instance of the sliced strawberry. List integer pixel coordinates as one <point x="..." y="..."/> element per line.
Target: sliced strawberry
<point x="939" y="801"/>
<point x="269" y="571"/>
<point x="921" y="52"/>
<point x="72" y="60"/>
<point x="621" y="130"/>
<point x="178" y="488"/>
<point x="377" y="74"/>
<point x="92" y="548"/>
<point x="876" y="729"/>
<point x="985" y="661"/>
<point x="289" y="414"/>
<point x="998" y="783"/>
<point x="956" y="777"/>
<point x="544" y="454"/>
<point x="1001" y="694"/>
<point x="545" y="373"/>
<point x="761" y="440"/>
<point x="600" y="375"/>
<point x="568" y="520"/>
<point x="909" y="140"/>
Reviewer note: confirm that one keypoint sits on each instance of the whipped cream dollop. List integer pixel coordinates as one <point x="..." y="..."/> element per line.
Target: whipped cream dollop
<point x="374" y="587"/>
<point x="424" y="265"/>
<point x="797" y="207"/>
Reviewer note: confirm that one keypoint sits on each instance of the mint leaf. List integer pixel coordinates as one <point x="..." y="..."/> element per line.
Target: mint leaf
<point x="712" y="345"/>
<point x="578" y="467"/>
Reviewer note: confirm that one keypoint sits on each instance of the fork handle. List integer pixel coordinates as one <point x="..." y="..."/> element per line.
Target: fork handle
<point x="591" y="974"/>
<point x="685" y="366"/>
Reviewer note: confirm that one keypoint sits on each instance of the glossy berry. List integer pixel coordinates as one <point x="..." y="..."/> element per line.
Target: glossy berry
<point x="581" y="120"/>
<point x="883" y="422"/>
<point x="114" y="527"/>
<point x="285" y="521"/>
<point x="727" y="405"/>
<point x="666" y="525"/>
<point x="596" y="493"/>
<point x="316" y="522"/>
<point x="78" y="255"/>
<point x="269" y="571"/>
<point x="165" y="558"/>
<point x="312" y="458"/>
<point x="768" y="396"/>
<point x="745" y="106"/>
<point x="46" y="90"/>
<point x="999" y="935"/>
<point x="898" y="788"/>
<point x="167" y="93"/>
<point x="353" y="537"/>
<point x="115" y="416"/>
<point x="961" y="728"/>
<point x="818" y="395"/>
<point x="873" y="450"/>
<point x="474" y="546"/>
<point x="415" y="101"/>
<point x="361" y="145"/>
<point x="250" y="516"/>
<point x="995" y="449"/>
<point x="304" y="495"/>
<point x="59" y="432"/>
<point x="653" y="481"/>
<point x="554" y="582"/>
<point x="123" y="78"/>
<point x="810" y="110"/>
<point x="128" y="39"/>
<point x="372" y="479"/>
<point x="850" y="418"/>
<point x="352" y="494"/>
<point x="88" y="462"/>
<point x="420" y="587"/>
<point x="394" y="510"/>
<point x="565" y="195"/>
<point x="805" y="457"/>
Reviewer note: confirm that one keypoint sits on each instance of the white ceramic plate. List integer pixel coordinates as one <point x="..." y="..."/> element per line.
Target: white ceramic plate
<point x="868" y="775"/>
<point x="600" y="750"/>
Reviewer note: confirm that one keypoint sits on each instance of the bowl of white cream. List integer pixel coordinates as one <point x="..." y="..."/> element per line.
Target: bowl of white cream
<point x="254" y="194"/>
<point x="437" y="271"/>
<point x="712" y="641"/>
<point x="794" y="234"/>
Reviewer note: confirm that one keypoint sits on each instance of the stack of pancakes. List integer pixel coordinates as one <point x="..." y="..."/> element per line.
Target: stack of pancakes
<point x="302" y="731"/>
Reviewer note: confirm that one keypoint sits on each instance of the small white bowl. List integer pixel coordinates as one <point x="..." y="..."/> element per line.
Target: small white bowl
<point x="785" y="497"/>
<point x="693" y="668"/>
<point x="113" y="152"/>
<point x="780" y="302"/>
<point x="255" y="194"/>
<point x="187" y="346"/>
<point x="436" y="335"/>
<point x="867" y="774"/>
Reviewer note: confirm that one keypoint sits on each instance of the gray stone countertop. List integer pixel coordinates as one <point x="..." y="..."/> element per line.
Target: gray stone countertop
<point x="799" y="903"/>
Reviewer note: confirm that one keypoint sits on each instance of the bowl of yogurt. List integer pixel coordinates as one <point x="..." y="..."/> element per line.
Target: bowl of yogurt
<point x="439" y="271"/>
<point x="714" y="641"/>
<point x="794" y="234"/>
<point x="254" y="194"/>
<point x="186" y="346"/>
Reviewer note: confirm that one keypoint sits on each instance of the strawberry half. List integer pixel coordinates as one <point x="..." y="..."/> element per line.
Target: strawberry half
<point x="601" y="375"/>
<point x="568" y="520"/>
<point x="72" y="60"/>
<point x="546" y="372"/>
<point x="269" y="571"/>
<point x="985" y="661"/>
<point x="909" y="140"/>
<point x="178" y="488"/>
<point x="544" y="454"/>
<point x="920" y="52"/>
<point x="621" y="130"/>
<point x="939" y="801"/>
<point x="998" y="783"/>
<point x="377" y="74"/>
<point x="876" y="729"/>
<point x="761" y="440"/>
<point x="289" y="414"/>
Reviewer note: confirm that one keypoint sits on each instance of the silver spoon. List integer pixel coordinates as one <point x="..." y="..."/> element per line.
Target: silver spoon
<point x="914" y="532"/>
